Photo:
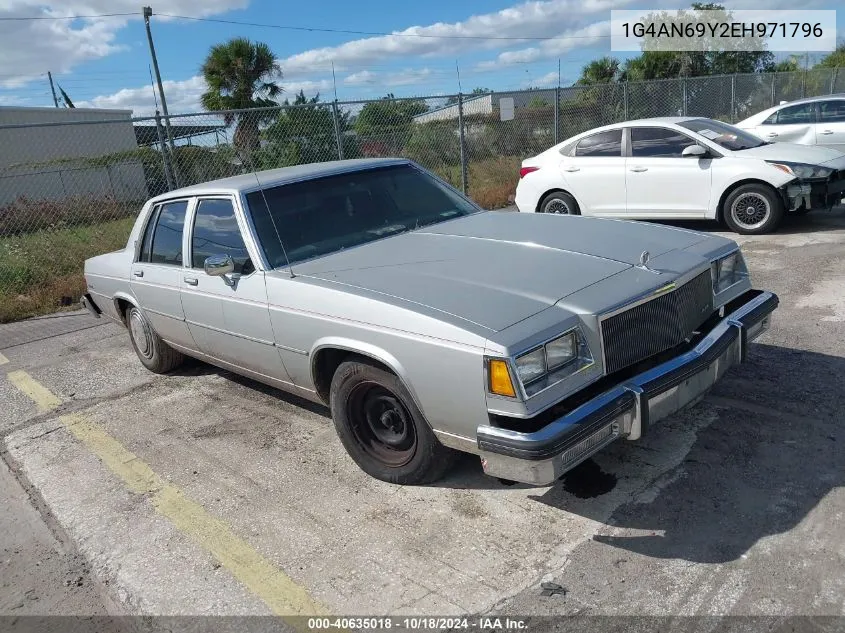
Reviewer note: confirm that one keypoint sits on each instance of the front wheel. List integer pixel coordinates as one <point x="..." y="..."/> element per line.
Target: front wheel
<point x="753" y="209"/>
<point x="382" y="429"/>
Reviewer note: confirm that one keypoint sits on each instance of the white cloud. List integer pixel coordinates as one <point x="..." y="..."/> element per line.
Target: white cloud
<point x="549" y="79"/>
<point x="388" y="79"/>
<point x="184" y="96"/>
<point x="29" y="48"/>
<point x="536" y="19"/>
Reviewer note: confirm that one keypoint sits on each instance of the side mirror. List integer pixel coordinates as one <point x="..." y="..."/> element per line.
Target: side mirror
<point x="219" y="265"/>
<point x="694" y="151"/>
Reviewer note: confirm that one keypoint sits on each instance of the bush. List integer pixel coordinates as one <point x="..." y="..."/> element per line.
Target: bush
<point x="434" y="145"/>
<point x="25" y="215"/>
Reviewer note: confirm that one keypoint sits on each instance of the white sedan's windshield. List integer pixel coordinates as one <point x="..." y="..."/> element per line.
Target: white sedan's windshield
<point x="324" y="215"/>
<point x="727" y="136"/>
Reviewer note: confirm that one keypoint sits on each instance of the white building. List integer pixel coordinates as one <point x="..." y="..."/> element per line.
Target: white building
<point x="486" y="104"/>
<point x="43" y="152"/>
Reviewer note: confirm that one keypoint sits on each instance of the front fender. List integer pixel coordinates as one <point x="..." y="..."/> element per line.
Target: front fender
<point x="364" y="349"/>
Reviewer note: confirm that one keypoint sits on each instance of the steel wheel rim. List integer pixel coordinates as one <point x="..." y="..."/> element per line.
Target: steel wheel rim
<point x="751" y="210"/>
<point x="557" y="205"/>
<point x="381" y="425"/>
<point x="141" y="334"/>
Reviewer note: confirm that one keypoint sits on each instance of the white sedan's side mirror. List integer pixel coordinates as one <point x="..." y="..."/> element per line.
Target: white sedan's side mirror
<point x="219" y="265"/>
<point x="694" y="151"/>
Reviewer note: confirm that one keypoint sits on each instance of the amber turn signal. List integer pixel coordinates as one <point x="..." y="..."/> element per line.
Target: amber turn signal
<point x="500" y="378"/>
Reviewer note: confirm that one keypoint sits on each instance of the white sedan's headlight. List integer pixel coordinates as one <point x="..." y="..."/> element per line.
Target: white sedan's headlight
<point x="802" y="170"/>
<point x="552" y="362"/>
<point x="728" y="271"/>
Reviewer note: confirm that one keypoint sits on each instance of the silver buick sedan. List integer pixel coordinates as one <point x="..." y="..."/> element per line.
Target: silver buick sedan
<point x="426" y="324"/>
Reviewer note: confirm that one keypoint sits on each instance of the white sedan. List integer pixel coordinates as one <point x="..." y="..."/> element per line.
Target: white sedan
<point x="813" y="121"/>
<point x="681" y="168"/>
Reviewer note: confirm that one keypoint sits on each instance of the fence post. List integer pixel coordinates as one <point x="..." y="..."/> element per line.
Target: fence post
<point x="733" y="98"/>
<point x="833" y="79"/>
<point x="164" y="157"/>
<point x="463" y="144"/>
<point x="774" y="80"/>
<point x="804" y="84"/>
<point x="684" y="96"/>
<point x="557" y="115"/>
<point x="625" y="98"/>
<point x="337" y="136"/>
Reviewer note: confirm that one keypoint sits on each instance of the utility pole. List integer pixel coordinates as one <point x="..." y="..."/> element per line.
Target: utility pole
<point x="53" y="88"/>
<point x="148" y="12"/>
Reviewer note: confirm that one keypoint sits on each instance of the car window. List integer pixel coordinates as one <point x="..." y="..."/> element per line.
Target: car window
<point x="148" y="235"/>
<point x="166" y="247"/>
<point x="832" y="111"/>
<point x="658" y="141"/>
<point x="316" y="217"/>
<point x="723" y="134"/>
<point x="801" y="113"/>
<point x="216" y="232"/>
<point x="607" y="143"/>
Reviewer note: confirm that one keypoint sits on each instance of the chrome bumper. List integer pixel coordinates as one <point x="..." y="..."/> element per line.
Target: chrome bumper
<point x="627" y="409"/>
<point x="88" y="303"/>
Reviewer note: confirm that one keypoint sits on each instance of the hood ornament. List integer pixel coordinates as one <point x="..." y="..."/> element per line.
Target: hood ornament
<point x="644" y="257"/>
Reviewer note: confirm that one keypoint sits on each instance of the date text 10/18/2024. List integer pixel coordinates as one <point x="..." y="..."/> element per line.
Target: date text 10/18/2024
<point x="419" y="623"/>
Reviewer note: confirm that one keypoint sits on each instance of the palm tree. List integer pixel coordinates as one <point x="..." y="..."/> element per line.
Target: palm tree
<point x="240" y="74"/>
<point x="599" y="71"/>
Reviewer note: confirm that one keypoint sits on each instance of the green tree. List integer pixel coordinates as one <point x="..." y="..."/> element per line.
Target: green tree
<point x="600" y="71"/>
<point x="385" y="125"/>
<point x="241" y="74"/>
<point x="834" y="59"/>
<point x="304" y="132"/>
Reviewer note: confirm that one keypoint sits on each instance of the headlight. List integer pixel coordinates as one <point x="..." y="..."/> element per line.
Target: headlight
<point x="728" y="271"/>
<point x="550" y="363"/>
<point x="802" y="170"/>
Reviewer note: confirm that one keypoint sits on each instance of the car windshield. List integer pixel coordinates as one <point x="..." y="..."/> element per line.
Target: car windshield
<point x="325" y="215"/>
<point x="727" y="136"/>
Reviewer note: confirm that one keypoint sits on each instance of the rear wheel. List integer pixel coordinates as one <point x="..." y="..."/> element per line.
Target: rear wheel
<point x="753" y="209"/>
<point x="559" y="202"/>
<point x="153" y="352"/>
<point x="382" y="429"/>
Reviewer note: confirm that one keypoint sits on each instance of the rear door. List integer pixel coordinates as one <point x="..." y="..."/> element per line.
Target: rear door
<point x="830" y="129"/>
<point x="595" y="173"/>
<point x="790" y="124"/>
<point x="228" y="316"/>
<point x="660" y="181"/>
<point x="156" y="276"/>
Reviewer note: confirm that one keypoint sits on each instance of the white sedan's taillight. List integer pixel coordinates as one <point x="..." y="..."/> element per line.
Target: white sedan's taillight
<point x="523" y="171"/>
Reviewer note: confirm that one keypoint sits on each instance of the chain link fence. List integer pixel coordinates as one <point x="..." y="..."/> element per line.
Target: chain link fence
<point x="72" y="190"/>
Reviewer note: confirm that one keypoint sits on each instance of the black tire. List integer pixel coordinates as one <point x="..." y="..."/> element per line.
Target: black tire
<point x="753" y="209"/>
<point x="397" y="446"/>
<point x="559" y="202"/>
<point x="154" y="353"/>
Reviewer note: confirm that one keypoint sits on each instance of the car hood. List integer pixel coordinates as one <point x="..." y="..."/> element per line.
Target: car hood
<point x="496" y="269"/>
<point x="794" y="153"/>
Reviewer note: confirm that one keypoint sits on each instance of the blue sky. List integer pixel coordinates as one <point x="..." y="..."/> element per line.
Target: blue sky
<point x="104" y="62"/>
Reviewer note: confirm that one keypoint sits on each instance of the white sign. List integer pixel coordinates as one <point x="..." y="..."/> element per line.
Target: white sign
<point x="506" y="108"/>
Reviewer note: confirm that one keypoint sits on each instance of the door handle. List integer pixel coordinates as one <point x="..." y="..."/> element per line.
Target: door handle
<point x="191" y="281"/>
<point x="571" y="169"/>
<point x="138" y="273"/>
<point x="638" y="169"/>
<point x="772" y="134"/>
<point x="827" y="132"/>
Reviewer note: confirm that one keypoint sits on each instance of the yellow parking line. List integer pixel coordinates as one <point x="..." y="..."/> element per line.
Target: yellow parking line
<point x="38" y="393"/>
<point x="279" y="592"/>
<point x="3" y="359"/>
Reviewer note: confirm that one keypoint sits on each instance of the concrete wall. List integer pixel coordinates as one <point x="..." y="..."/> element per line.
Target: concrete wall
<point x="42" y="161"/>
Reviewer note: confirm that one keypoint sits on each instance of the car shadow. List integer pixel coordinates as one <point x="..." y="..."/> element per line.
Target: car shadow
<point x="812" y="222"/>
<point x="772" y="452"/>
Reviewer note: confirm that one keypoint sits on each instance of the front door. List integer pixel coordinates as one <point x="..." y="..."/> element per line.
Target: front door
<point x="156" y="277"/>
<point x="228" y="316"/>
<point x="660" y="181"/>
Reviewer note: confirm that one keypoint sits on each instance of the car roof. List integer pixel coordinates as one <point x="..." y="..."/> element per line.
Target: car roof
<point x="252" y="181"/>
<point x="653" y="121"/>
<point x="839" y="95"/>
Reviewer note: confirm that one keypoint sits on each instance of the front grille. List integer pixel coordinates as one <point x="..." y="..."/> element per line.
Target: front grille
<point x="656" y="325"/>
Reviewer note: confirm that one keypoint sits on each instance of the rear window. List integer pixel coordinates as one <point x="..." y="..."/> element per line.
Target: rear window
<point x="607" y="143"/>
<point x="325" y="215"/>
